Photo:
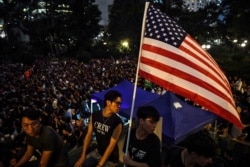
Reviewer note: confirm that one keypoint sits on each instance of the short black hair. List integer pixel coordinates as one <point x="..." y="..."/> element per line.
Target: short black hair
<point x="31" y="113"/>
<point x="201" y="143"/>
<point x="111" y="95"/>
<point x="148" y="112"/>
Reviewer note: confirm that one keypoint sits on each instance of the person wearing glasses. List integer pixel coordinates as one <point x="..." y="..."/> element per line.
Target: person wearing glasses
<point x="43" y="138"/>
<point x="107" y="126"/>
<point x="144" y="148"/>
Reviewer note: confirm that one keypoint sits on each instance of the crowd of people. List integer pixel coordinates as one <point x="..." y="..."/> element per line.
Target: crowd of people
<point x="60" y="90"/>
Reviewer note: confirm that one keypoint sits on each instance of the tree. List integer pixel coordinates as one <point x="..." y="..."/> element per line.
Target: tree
<point x="53" y="27"/>
<point x="236" y="14"/>
<point x="125" y="24"/>
<point x="83" y="23"/>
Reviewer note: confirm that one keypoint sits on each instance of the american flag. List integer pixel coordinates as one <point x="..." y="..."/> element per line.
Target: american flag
<point x="171" y="58"/>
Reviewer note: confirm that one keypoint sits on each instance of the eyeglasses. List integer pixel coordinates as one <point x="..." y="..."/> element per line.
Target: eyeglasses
<point x="117" y="103"/>
<point x="32" y="124"/>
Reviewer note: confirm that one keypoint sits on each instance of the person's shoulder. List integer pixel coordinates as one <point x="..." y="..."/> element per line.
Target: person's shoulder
<point x="47" y="130"/>
<point x="154" y="138"/>
<point x="118" y="118"/>
<point x="117" y="115"/>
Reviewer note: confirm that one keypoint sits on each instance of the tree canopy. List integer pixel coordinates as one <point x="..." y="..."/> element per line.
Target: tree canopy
<point x="52" y="27"/>
<point x="71" y="28"/>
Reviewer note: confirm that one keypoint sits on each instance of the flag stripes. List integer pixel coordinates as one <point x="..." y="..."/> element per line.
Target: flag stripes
<point x="186" y="72"/>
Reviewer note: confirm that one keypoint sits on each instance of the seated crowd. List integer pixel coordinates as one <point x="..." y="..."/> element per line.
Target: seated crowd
<point x="61" y="91"/>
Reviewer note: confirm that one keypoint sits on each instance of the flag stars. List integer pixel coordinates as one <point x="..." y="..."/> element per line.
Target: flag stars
<point x="159" y="26"/>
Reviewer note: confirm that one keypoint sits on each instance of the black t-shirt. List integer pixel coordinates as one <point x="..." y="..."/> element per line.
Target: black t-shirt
<point x="50" y="140"/>
<point x="103" y="128"/>
<point x="146" y="150"/>
<point x="173" y="157"/>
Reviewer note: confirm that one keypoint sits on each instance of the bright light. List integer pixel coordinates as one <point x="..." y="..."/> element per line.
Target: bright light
<point x="25" y="9"/>
<point x="125" y="44"/>
<point x="235" y="40"/>
<point x="2" y="35"/>
<point x="204" y="46"/>
<point x="243" y="45"/>
<point x="93" y="100"/>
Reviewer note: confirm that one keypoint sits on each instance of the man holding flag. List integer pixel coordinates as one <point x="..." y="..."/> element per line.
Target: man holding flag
<point x="172" y="59"/>
<point x="144" y="145"/>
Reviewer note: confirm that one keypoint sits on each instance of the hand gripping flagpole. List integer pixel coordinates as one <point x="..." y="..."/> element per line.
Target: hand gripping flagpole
<point x="136" y="79"/>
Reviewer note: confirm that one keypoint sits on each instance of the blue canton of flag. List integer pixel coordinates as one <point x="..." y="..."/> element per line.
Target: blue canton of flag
<point x="160" y="26"/>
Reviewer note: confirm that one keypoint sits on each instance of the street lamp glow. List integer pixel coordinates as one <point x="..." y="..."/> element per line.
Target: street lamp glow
<point x="243" y="45"/>
<point x="125" y="44"/>
<point x="235" y="40"/>
<point x="204" y="46"/>
<point x="2" y="35"/>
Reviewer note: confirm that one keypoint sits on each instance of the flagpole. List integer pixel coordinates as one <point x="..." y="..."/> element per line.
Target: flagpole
<point x="136" y="78"/>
